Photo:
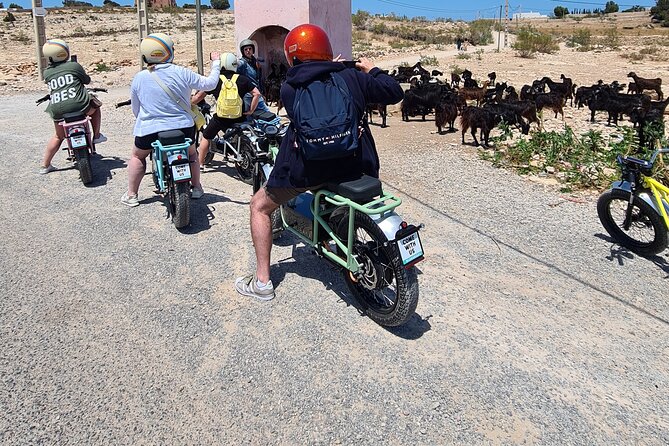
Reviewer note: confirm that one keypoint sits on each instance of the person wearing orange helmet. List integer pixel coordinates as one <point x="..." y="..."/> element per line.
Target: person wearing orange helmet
<point x="309" y="53"/>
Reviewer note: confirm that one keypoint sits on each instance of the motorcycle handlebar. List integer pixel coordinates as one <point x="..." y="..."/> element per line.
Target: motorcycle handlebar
<point x="46" y="97"/>
<point x="123" y="104"/>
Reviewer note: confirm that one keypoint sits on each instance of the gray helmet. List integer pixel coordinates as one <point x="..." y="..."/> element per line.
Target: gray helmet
<point x="247" y="42"/>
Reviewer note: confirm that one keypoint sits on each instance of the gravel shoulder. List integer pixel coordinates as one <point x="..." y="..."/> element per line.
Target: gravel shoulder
<point x="532" y="326"/>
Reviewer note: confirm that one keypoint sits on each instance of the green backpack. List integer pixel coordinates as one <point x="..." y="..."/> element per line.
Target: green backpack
<point x="229" y="104"/>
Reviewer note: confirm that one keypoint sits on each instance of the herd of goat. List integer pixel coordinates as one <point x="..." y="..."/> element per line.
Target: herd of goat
<point x="497" y="102"/>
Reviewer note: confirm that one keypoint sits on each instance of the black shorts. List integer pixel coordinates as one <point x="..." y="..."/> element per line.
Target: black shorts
<point x="144" y="142"/>
<point x="217" y="124"/>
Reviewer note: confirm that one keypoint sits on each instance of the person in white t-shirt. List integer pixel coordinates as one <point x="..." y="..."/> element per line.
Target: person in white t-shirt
<point x="156" y="111"/>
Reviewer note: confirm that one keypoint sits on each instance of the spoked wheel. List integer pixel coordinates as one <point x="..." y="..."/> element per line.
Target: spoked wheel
<point x="245" y="166"/>
<point x="179" y="196"/>
<point x="647" y="233"/>
<point x="83" y="158"/>
<point x="387" y="291"/>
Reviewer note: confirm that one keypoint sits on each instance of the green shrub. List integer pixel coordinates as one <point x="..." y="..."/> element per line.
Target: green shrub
<point x="456" y="70"/>
<point x="529" y="41"/>
<point x="22" y="37"/>
<point x="429" y="60"/>
<point x="480" y="32"/>
<point x="582" y="38"/>
<point x="611" y="38"/>
<point x="101" y="67"/>
<point x="584" y="161"/>
<point x="360" y="18"/>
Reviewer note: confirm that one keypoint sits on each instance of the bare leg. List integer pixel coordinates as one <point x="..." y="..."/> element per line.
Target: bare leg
<point x="53" y="145"/>
<point x="195" y="167"/>
<point x="261" y="232"/>
<point x="203" y="150"/>
<point x="136" y="169"/>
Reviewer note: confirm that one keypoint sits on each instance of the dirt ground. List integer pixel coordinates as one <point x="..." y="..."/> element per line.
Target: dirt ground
<point x="532" y="327"/>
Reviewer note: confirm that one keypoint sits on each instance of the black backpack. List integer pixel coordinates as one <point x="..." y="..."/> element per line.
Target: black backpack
<point x="325" y="119"/>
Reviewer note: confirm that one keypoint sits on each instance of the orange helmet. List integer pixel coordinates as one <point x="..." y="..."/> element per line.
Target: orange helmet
<point x="307" y="42"/>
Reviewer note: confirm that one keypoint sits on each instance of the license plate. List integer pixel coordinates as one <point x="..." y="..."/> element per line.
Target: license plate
<point x="181" y="172"/>
<point x="78" y="141"/>
<point x="410" y="248"/>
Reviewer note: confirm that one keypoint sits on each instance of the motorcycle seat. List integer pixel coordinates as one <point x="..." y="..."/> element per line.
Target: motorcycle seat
<point x="362" y="190"/>
<point x="171" y="137"/>
<point x="264" y="116"/>
<point x="74" y="117"/>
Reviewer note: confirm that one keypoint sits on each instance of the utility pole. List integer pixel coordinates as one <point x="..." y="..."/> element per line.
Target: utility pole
<point x="40" y="36"/>
<point x="506" y="23"/>
<point x="198" y="36"/>
<point x="143" y="21"/>
<point x="499" y="30"/>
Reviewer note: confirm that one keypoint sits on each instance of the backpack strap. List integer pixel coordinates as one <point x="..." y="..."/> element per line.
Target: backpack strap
<point x="234" y="78"/>
<point x="174" y="97"/>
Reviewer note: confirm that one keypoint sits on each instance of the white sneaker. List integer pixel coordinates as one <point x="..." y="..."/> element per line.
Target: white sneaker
<point x="45" y="170"/>
<point x="130" y="201"/>
<point x="100" y="139"/>
<point x="196" y="193"/>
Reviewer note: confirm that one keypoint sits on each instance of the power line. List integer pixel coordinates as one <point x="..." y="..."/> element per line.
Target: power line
<point x="595" y="4"/>
<point x="427" y="8"/>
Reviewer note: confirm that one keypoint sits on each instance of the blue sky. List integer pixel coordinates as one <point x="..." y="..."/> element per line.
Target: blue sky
<point x="468" y="10"/>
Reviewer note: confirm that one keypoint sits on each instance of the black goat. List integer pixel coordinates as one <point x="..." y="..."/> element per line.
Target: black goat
<point x="647" y="84"/>
<point x="455" y="80"/>
<point x="445" y="113"/>
<point x="564" y="89"/>
<point x="553" y="101"/>
<point x="381" y="109"/>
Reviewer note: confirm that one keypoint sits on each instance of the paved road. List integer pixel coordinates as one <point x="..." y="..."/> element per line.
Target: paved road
<point x="532" y="327"/>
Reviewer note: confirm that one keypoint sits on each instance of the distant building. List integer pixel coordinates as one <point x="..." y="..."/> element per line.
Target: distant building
<point x="159" y="3"/>
<point x="529" y="15"/>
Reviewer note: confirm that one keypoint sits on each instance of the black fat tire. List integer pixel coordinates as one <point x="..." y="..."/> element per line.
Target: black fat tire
<point x="386" y="260"/>
<point x="644" y="219"/>
<point x="83" y="158"/>
<point x="208" y="157"/>
<point x="179" y="197"/>
<point x="245" y="166"/>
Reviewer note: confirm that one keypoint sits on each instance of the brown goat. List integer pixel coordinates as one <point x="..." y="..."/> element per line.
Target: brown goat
<point x="474" y="93"/>
<point x="647" y="84"/>
<point x="553" y="101"/>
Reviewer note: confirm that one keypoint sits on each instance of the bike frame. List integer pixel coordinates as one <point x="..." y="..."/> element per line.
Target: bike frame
<point x="375" y="207"/>
<point x="174" y="154"/>
<point x="228" y="146"/>
<point x="661" y="195"/>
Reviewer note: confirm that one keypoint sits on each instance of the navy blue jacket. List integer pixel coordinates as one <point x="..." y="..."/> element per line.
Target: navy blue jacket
<point x="290" y="169"/>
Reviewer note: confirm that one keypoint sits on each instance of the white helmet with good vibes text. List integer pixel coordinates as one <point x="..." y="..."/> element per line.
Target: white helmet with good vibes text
<point x="157" y="48"/>
<point x="56" y="50"/>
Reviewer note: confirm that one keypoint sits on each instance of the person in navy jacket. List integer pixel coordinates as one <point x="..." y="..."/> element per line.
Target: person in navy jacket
<point x="309" y="53"/>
